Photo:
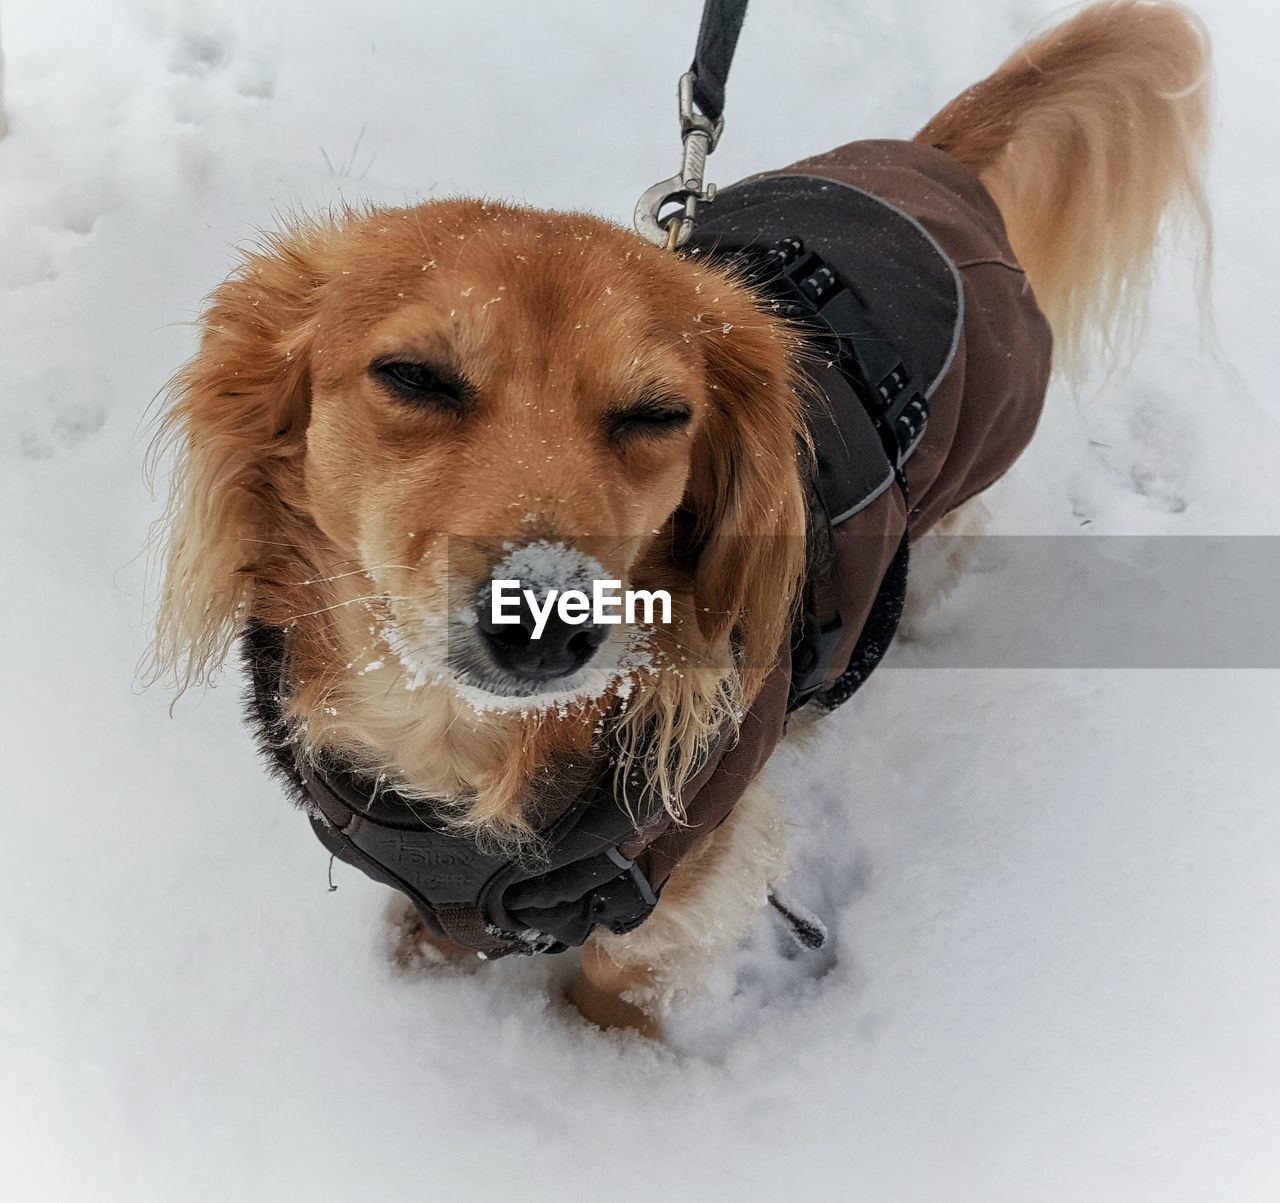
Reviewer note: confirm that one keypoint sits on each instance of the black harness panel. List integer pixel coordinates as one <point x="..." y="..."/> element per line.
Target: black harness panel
<point x="906" y="290"/>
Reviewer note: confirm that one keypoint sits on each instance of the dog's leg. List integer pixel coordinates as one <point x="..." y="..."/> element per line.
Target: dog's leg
<point x="706" y="908"/>
<point x="939" y="560"/>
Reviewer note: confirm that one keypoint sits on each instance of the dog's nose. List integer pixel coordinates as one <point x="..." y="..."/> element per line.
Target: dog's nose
<point x="561" y="648"/>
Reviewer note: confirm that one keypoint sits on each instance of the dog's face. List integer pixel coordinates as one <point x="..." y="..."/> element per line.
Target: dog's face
<point x="434" y="398"/>
<point x="500" y="405"/>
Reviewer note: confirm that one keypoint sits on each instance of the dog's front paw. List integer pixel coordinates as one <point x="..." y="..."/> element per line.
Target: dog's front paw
<point x="602" y="992"/>
<point x="412" y="948"/>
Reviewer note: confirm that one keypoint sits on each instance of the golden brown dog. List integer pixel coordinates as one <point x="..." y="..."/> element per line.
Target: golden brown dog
<point x="384" y="405"/>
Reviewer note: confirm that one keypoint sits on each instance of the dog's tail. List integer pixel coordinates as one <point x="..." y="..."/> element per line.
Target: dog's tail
<point x="1085" y="138"/>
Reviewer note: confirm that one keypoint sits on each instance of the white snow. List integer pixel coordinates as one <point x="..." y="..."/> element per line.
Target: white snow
<point x="543" y="565"/>
<point x="1055" y="927"/>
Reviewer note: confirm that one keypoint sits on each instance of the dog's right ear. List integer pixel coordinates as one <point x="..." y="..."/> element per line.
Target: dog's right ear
<point x="235" y="433"/>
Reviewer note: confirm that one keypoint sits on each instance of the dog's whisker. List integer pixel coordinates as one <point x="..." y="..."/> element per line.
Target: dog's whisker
<point x="339" y="576"/>
<point x="351" y="601"/>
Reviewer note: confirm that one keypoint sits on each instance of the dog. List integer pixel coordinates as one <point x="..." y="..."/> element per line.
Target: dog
<point x="392" y="408"/>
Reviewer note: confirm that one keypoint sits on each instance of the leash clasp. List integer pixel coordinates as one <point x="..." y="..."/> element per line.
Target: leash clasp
<point x="699" y="134"/>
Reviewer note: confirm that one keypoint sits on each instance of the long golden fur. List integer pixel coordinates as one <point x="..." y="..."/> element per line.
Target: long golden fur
<point x="309" y="495"/>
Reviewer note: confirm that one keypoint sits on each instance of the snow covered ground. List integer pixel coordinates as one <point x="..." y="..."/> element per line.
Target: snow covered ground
<point x="1055" y="969"/>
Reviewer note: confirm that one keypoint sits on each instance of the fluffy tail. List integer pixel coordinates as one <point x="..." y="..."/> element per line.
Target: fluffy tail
<point x="1085" y="138"/>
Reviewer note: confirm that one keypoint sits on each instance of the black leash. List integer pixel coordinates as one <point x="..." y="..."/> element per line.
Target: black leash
<point x="701" y="101"/>
<point x="717" y="40"/>
<point x="803" y="926"/>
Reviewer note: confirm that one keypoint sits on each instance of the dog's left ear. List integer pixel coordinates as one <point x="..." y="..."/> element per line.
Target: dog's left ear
<point x="745" y="491"/>
<point x="237" y="431"/>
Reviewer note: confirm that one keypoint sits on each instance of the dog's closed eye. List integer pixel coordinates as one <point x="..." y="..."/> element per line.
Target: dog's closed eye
<point x="422" y="384"/>
<point x="653" y="418"/>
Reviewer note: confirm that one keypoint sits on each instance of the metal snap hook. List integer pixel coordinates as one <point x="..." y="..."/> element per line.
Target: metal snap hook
<point x="699" y="136"/>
